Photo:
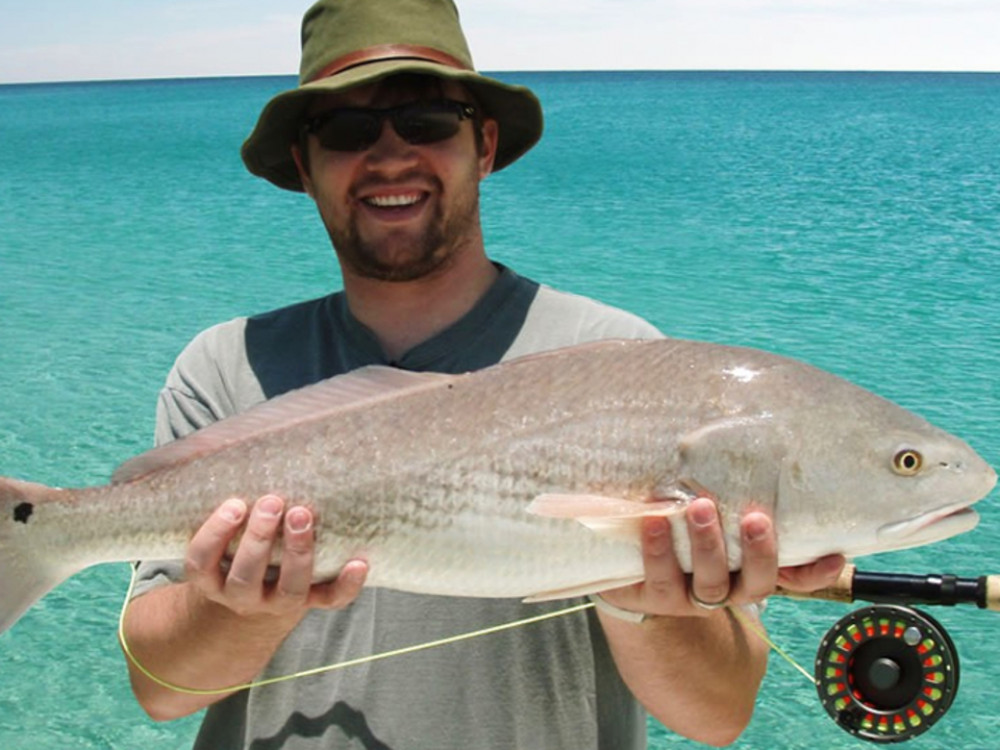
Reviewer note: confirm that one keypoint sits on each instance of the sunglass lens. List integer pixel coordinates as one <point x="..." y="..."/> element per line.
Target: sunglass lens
<point x="349" y="130"/>
<point x="426" y="124"/>
<point x="358" y="129"/>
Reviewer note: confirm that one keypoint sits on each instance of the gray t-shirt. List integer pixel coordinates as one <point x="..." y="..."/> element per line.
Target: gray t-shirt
<point x="551" y="685"/>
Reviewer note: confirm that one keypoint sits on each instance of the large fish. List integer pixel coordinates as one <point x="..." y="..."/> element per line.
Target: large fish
<point x="527" y="479"/>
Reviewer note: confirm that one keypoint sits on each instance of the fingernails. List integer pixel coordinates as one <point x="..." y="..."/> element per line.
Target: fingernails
<point x="656" y="542"/>
<point x="269" y="506"/>
<point x="656" y="527"/>
<point x="298" y="519"/>
<point x="702" y="513"/>
<point x="755" y="529"/>
<point x="353" y="573"/>
<point x="233" y="510"/>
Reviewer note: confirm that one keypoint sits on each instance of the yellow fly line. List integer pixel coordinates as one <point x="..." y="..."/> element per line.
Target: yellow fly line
<point x="757" y="630"/>
<point x="737" y="612"/>
<point x="330" y="667"/>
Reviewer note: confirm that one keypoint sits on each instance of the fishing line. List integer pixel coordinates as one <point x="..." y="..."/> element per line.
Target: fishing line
<point x="738" y="613"/>
<point x="749" y="623"/>
<point x="330" y="667"/>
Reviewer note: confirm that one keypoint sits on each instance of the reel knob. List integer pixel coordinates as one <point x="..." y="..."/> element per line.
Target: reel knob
<point x="886" y="673"/>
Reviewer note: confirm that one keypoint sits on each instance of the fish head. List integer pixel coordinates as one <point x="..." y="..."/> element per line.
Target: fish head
<point x="874" y="477"/>
<point x="935" y="480"/>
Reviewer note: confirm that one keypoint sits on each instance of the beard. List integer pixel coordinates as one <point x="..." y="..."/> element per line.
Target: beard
<point x="407" y="255"/>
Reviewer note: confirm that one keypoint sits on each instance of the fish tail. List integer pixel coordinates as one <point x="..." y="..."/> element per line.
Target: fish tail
<point x="25" y="573"/>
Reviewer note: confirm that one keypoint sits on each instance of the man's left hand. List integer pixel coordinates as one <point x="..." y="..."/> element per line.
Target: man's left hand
<point x="667" y="590"/>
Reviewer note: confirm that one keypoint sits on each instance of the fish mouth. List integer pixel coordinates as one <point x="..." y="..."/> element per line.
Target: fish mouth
<point x="929" y="527"/>
<point x="944" y="522"/>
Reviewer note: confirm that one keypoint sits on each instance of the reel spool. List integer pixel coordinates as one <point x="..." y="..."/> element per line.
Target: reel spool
<point x="886" y="673"/>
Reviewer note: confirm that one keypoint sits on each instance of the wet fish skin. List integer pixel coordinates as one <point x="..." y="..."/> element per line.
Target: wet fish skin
<point x="527" y="479"/>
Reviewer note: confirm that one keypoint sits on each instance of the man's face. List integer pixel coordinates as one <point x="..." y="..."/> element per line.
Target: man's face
<point x="398" y="211"/>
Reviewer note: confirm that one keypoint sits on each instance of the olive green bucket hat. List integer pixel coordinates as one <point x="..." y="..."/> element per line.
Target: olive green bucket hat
<point x="348" y="43"/>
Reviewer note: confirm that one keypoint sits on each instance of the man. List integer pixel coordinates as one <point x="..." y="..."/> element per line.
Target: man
<point x="390" y="133"/>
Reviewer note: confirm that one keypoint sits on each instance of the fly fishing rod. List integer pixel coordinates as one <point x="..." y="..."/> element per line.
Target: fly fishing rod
<point x="906" y="589"/>
<point x="888" y="672"/>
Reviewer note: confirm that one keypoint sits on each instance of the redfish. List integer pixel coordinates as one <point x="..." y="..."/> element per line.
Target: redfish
<point x="527" y="479"/>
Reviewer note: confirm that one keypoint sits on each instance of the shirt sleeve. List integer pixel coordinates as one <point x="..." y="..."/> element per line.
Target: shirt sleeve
<point x="557" y="319"/>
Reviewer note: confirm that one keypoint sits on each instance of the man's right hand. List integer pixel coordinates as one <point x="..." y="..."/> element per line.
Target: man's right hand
<point x="247" y="585"/>
<point x="221" y="626"/>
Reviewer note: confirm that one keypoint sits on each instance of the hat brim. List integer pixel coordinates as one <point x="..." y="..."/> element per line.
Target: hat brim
<point x="267" y="152"/>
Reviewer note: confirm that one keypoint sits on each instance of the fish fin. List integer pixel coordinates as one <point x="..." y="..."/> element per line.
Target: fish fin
<point x="26" y="571"/>
<point x="357" y="389"/>
<point x="575" y="349"/>
<point x="555" y="505"/>
<point x="613" y="517"/>
<point x="583" y="589"/>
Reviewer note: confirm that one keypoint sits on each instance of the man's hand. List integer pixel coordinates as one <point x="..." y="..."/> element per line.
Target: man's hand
<point x="696" y="670"/>
<point x="245" y="585"/>
<point x="221" y="626"/>
<point x="667" y="590"/>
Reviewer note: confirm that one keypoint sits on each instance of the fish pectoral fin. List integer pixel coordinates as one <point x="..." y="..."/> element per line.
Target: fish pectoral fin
<point x="614" y="517"/>
<point x="582" y="589"/>
<point x="555" y="505"/>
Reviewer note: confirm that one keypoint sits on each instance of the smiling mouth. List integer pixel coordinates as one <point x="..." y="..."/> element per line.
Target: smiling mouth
<point x="393" y="201"/>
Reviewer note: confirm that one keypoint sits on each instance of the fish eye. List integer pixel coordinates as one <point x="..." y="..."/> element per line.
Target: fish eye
<point x="907" y="462"/>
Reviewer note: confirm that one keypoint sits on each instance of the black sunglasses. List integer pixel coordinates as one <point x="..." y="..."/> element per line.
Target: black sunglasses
<point x="358" y="128"/>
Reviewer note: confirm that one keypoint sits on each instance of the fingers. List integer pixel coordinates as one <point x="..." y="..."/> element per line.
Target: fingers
<point x="820" y="574"/>
<point x="709" y="562"/>
<point x="248" y="585"/>
<point x="711" y="580"/>
<point x="665" y="581"/>
<point x="758" y="574"/>
<point x="295" y="574"/>
<point x="253" y="556"/>
<point x="666" y="589"/>
<point x="343" y="590"/>
<point x="207" y="549"/>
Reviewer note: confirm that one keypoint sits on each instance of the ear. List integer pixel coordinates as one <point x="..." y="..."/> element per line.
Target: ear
<point x="488" y="152"/>
<point x="303" y="168"/>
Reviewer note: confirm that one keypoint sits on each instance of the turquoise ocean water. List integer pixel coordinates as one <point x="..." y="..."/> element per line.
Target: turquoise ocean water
<point x="851" y="220"/>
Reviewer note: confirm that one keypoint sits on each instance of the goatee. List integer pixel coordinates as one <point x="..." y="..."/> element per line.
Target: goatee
<point x="426" y="253"/>
<point x="409" y="256"/>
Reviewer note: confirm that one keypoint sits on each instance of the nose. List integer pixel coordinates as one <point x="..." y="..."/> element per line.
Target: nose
<point x="390" y="146"/>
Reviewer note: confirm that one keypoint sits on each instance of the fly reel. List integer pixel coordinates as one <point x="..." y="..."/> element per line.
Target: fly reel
<point x="886" y="673"/>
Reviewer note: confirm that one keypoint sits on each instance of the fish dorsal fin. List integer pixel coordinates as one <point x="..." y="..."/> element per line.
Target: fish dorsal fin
<point x="575" y="349"/>
<point x="354" y="390"/>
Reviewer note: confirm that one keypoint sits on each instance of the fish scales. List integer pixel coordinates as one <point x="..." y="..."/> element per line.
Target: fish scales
<point x="528" y="478"/>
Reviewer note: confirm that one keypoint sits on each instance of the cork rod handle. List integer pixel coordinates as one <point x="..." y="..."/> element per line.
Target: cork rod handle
<point x="841" y="590"/>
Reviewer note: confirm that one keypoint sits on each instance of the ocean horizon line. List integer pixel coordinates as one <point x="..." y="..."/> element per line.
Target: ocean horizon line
<point x="680" y="72"/>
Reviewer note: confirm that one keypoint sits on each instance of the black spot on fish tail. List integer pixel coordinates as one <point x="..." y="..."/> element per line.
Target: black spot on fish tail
<point x="23" y="512"/>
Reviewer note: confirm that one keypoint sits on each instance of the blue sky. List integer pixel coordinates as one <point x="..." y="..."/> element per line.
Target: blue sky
<point x="53" y="40"/>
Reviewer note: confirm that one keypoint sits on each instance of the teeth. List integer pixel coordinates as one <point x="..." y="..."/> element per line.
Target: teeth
<point x="387" y="201"/>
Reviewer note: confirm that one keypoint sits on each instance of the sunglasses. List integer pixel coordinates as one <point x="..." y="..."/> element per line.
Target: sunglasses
<point x="359" y="128"/>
